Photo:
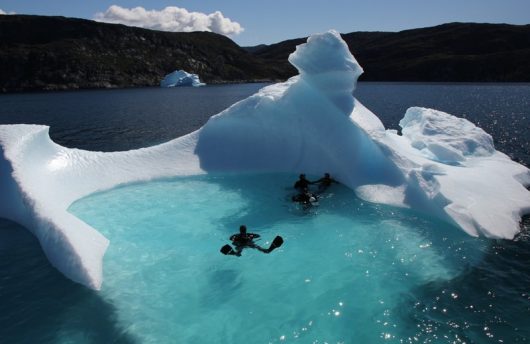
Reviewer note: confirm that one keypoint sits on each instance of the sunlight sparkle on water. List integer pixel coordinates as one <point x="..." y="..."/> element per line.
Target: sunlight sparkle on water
<point x="165" y="275"/>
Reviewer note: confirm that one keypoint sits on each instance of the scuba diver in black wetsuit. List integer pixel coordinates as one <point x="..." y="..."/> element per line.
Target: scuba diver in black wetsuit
<point x="324" y="182"/>
<point x="302" y="184"/>
<point x="244" y="240"/>
<point x="305" y="198"/>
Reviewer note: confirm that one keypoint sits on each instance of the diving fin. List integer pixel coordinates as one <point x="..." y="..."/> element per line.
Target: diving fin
<point x="227" y="249"/>
<point x="277" y="242"/>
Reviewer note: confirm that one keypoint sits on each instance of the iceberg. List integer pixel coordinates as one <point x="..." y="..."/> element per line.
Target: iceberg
<point x="441" y="165"/>
<point x="181" y="78"/>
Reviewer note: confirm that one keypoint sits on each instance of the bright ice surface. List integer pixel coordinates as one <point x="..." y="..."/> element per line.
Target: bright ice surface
<point x="446" y="168"/>
<point x="445" y="138"/>
<point x="181" y="78"/>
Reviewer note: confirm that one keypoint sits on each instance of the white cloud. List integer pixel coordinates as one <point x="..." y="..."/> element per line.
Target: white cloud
<point x="171" y="18"/>
<point x="3" y="12"/>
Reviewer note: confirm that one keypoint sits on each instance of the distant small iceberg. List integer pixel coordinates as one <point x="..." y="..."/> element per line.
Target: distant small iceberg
<point x="181" y="78"/>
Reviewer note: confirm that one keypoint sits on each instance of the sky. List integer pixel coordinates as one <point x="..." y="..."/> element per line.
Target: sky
<point x="251" y="23"/>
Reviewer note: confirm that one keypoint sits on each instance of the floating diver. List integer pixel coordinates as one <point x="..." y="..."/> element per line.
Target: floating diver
<point x="244" y="240"/>
<point x="324" y="182"/>
<point x="305" y="197"/>
<point x="302" y="183"/>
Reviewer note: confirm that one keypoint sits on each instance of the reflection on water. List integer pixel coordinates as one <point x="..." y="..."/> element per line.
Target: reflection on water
<point x="39" y="305"/>
<point x="111" y="120"/>
<point x="502" y="110"/>
<point x="348" y="270"/>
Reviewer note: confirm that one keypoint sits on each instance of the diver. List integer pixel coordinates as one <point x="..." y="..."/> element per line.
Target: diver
<point x="324" y="182"/>
<point x="306" y="198"/>
<point x="302" y="183"/>
<point x="244" y="240"/>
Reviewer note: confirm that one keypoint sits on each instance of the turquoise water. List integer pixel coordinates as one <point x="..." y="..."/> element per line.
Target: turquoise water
<point x="483" y="285"/>
<point x="348" y="272"/>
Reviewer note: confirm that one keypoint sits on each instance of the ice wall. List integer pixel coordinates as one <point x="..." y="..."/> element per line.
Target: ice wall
<point x="181" y="78"/>
<point x="303" y="124"/>
<point x="40" y="179"/>
<point x="441" y="165"/>
<point x="453" y="172"/>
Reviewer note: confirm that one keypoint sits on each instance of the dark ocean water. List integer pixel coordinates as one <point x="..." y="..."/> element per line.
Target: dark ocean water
<point x="111" y="120"/>
<point x="492" y="303"/>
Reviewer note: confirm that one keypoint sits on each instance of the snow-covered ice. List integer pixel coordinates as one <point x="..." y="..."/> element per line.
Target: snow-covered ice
<point x="181" y="78"/>
<point x="445" y="138"/>
<point x="441" y="165"/>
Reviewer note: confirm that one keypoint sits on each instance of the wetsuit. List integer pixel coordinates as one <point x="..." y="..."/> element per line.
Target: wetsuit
<point x="302" y="184"/>
<point x="244" y="239"/>
<point x="241" y="241"/>
<point x="324" y="183"/>
<point x="305" y="198"/>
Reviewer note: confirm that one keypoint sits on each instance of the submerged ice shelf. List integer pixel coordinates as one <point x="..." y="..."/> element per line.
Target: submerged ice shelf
<point x="442" y="165"/>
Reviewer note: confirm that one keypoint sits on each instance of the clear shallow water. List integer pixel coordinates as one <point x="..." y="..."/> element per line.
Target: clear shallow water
<point x="491" y="285"/>
<point x="342" y="275"/>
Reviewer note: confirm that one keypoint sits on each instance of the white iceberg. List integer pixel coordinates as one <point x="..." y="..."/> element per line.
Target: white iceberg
<point x="441" y="165"/>
<point x="181" y="78"/>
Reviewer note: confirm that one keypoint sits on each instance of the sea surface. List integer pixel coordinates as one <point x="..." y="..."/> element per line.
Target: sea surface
<point x="349" y="271"/>
<point x="123" y="119"/>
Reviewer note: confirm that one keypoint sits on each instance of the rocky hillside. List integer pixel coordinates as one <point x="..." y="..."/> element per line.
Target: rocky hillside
<point x="449" y="52"/>
<point x="38" y="52"/>
<point x="51" y="53"/>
